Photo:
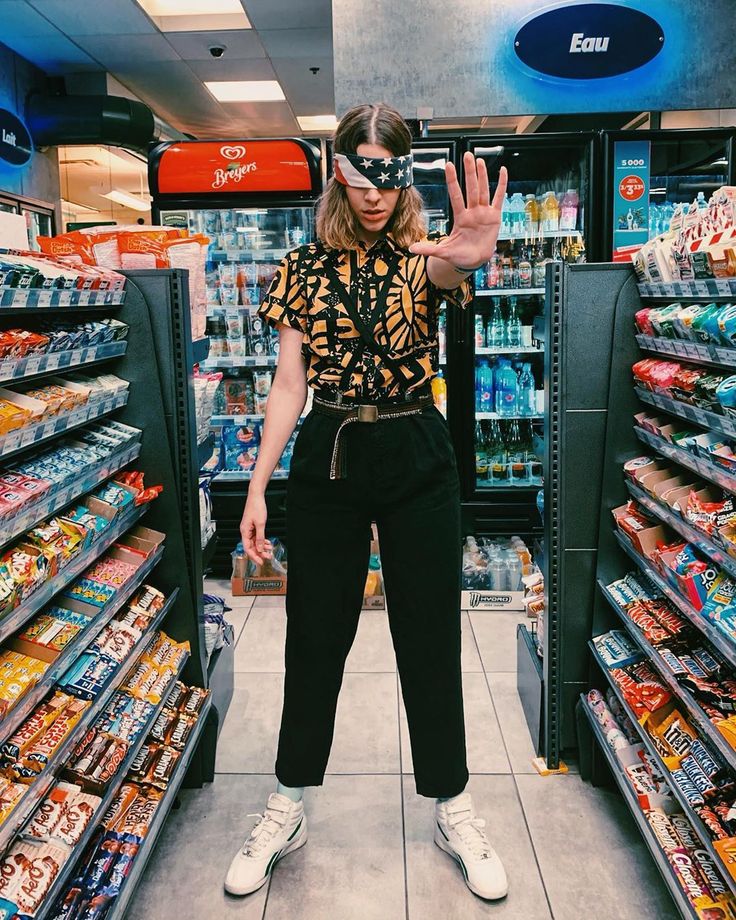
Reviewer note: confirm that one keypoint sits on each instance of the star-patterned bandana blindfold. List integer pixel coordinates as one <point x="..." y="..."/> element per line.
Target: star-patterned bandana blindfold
<point x="373" y="172"/>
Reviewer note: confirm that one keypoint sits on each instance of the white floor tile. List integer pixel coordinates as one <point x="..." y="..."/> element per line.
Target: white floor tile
<point x="372" y="649"/>
<point x="495" y="634"/>
<point x="262" y="641"/>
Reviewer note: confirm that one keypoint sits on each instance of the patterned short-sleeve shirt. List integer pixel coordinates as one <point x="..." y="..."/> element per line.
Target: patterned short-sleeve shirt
<point x="390" y="287"/>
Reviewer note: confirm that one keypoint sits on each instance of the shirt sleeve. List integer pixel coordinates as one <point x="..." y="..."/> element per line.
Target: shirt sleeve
<point x="459" y="296"/>
<point x="285" y="303"/>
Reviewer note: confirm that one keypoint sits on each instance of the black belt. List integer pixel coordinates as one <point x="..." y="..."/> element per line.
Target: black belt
<point x="371" y="412"/>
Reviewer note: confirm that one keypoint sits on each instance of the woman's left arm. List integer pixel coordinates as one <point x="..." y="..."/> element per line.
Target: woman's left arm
<point x="475" y="228"/>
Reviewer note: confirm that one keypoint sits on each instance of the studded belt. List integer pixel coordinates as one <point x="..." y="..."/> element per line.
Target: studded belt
<point x="370" y="413"/>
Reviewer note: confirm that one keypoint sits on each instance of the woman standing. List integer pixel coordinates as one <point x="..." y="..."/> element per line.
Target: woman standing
<point x="357" y="316"/>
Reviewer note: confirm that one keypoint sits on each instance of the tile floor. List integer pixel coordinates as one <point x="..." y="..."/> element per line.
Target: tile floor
<point x="572" y="851"/>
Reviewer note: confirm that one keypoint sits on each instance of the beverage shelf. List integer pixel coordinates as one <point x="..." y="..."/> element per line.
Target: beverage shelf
<point x="715" y="355"/>
<point x="17" y="820"/>
<point x="687" y="810"/>
<point x="33" y="366"/>
<point x="684" y="528"/>
<point x="213" y="364"/>
<point x="698" y="716"/>
<point x="18" y="617"/>
<point x="121" y="903"/>
<point x="509" y="292"/>
<point x="726" y="647"/>
<point x="50" y="504"/>
<point x="246" y="475"/>
<point x="540" y="235"/>
<point x="247" y="255"/>
<point x="687" y="458"/>
<point x="15" y="300"/>
<point x="484" y="484"/>
<point x="724" y="424"/>
<point x="33" y="435"/>
<point x="485" y="416"/>
<point x="705" y="289"/>
<point x="629" y="796"/>
<point x="509" y="350"/>
<point x="67" y="871"/>
<point x="76" y="647"/>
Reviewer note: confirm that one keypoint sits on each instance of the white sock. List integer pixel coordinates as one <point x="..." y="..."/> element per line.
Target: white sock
<point x="295" y="793"/>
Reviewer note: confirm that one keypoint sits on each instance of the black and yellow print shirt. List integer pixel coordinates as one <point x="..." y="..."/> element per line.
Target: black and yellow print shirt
<point x="388" y="284"/>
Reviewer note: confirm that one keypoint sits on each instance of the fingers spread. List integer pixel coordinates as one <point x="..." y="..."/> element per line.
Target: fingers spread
<point x="423" y="249"/>
<point x="503" y="180"/>
<point x="471" y="180"/>
<point x="453" y="189"/>
<point x="484" y="190"/>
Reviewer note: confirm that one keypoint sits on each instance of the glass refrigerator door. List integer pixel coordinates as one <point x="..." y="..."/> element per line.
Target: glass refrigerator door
<point x="246" y="246"/>
<point x="429" y="180"/>
<point x="543" y="220"/>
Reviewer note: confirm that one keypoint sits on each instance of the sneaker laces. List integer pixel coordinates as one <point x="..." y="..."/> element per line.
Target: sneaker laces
<point x="470" y="831"/>
<point x="266" y="828"/>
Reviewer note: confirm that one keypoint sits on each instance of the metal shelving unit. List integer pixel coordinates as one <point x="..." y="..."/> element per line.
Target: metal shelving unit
<point x="213" y="364"/>
<point x="699" y="352"/>
<point x="723" y="424"/>
<point x="707" y="470"/>
<point x="16" y="300"/>
<point x="669" y="877"/>
<point x="34" y="366"/>
<point x="704" y="289"/>
<point x="509" y="292"/>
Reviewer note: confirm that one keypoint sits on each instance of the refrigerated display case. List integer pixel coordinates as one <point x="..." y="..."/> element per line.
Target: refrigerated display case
<point x="39" y="216"/>
<point x="547" y="217"/>
<point x="656" y="171"/>
<point x="254" y="201"/>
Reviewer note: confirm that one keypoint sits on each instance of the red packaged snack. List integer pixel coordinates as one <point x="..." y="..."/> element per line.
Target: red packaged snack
<point x="643" y="321"/>
<point x="710" y="516"/>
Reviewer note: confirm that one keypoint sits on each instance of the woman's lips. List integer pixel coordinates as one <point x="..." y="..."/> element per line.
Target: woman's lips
<point x="373" y="215"/>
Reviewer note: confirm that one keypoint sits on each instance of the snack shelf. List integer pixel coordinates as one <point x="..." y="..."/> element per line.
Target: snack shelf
<point x="17" y="617"/>
<point x="508" y="350"/>
<point x="200" y="349"/>
<point x="18" y="818"/>
<point x="696" y="713"/>
<point x="724" y="646"/>
<point x="707" y="289"/>
<point x="32" y="435"/>
<point x="14" y="299"/>
<point x="717" y="355"/>
<point x="667" y="872"/>
<point x="508" y="292"/>
<point x="686" y="530"/>
<point x="247" y="475"/>
<point x="246" y="255"/>
<point x="33" y="366"/>
<point x="120" y="905"/>
<point x="723" y="424"/>
<point x="204" y="450"/>
<point x="49" y="505"/>
<point x="687" y="809"/>
<point x="75" y="648"/>
<point x="213" y="364"/>
<point x="687" y="458"/>
<point x="506" y="418"/>
<point x="61" y="880"/>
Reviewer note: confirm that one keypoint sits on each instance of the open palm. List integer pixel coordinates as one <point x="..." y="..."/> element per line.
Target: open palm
<point x="476" y="220"/>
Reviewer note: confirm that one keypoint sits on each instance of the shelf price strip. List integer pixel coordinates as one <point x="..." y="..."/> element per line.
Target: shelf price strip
<point x="33" y="365"/>
<point x="37" y="298"/>
<point x="708" y="287"/>
<point x="723" y="424"/>
<point x="688" y="459"/>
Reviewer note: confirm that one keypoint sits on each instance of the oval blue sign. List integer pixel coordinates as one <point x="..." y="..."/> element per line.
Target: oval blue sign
<point x="16" y="146"/>
<point x="585" y="41"/>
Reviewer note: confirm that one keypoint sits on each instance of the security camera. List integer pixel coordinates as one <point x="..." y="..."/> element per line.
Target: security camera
<point x="217" y="51"/>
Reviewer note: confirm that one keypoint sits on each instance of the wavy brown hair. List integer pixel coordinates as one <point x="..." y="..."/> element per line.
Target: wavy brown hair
<point x="337" y="225"/>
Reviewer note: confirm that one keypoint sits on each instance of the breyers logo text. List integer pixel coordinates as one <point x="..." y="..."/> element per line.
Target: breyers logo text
<point x="236" y="170"/>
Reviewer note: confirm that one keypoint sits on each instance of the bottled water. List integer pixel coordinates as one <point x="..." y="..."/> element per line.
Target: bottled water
<point x="513" y="326"/>
<point x="527" y="391"/>
<point x="480" y="331"/>
<point x="518" y="214"/>
<point x="496" y="335"/>
<point x="484" y="388"/>
<point x="506" y="389"/>
<point x="506" y="219"/>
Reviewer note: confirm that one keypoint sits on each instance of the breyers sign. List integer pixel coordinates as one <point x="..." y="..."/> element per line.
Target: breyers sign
<point x="587" y="41"/>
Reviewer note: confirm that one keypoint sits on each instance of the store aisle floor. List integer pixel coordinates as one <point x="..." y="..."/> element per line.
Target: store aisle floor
<point x="571" y="851"/>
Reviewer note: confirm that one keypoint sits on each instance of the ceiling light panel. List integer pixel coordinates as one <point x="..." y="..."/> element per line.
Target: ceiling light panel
<point x="246" y="90"/>
<point x="317" y="122"/>
<point x="196" y="15"/>
<point x="128" y="201"/>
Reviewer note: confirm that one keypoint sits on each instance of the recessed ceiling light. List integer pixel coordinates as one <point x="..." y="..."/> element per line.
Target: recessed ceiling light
<point x="246" y="90"/>
<point x="196" y="15"/>
<point x="317" y="122"/>
<point x="76" y="208"/>
<point x="128" y="201"/>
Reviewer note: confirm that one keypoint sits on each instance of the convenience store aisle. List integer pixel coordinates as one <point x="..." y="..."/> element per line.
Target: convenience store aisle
<point x="571" y="851"/>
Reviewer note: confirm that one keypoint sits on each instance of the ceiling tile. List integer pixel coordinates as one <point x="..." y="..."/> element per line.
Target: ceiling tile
<point x="74" y="17"/>
<point x="286" y="14"/>
<point x="194" y="46"/>
<point x="55" y="54"/>
<point x="309" y="94"/>
<point x="222" y="69"/>
<point x="298" y="43"/>
<point x="122" y="50"/>
<point x="19" y="19"/>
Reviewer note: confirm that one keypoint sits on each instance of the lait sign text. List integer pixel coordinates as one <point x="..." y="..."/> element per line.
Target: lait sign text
<point x="9" y="138"/>
<point x="236" y="170"/>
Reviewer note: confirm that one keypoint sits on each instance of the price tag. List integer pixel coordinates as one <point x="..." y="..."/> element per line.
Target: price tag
<point x="44" y="298"/>
<point x="701" y="289"/>
<point x="668" y="290"/>
<point x="84" y="298"/>
<point x="75" y="356"/>
<point x="33" y="364"/>
<point x="10" y="441"/>
<point x="88" y="354"/>
<point x="65" y="298"/>
<point x="20" y="297"/>
<point x="726" y="356"/>
<point x="53" y="361"/>
<point x="699" y="416"/>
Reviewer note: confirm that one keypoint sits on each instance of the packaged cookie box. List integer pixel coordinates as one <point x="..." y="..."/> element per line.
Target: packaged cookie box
<point x="50" y="652"/>
<point x="139" y="543"/>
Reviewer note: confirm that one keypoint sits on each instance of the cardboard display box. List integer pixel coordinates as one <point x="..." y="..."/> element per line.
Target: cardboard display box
<point x="492" y="600"/>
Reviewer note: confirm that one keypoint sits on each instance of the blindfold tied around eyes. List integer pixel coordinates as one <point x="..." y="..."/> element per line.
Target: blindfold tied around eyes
<point x="374" y="172"/>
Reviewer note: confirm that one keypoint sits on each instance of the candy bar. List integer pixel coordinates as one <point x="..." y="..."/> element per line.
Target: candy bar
<point x="163" y="767"/>
<point x="177" y="696"/>
<point x="148" y="601"/>
<point x="51" y="811"/>
<point x="708" y="870"/>
<point x="34" y="727"/>
<point x="76" y="818"/>
<point x="45" y="866"/>
<point x="688" y="789"/>
<point x="162" y="726"/>
<point x="706" y="761"/>
<point x="676" y="733"/>
<point x="195" y="700"/>
<point x="139" y="815"/>
<point x="713" y="823"/>
<point x="110" y="762"/>
<point x="181" y="732"/>
<point x="697" y="777"/>
<point x="43" y="749"/>
<point x="114" y="815"/>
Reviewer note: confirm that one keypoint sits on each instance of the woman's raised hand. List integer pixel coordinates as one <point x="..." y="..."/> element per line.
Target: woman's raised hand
<point x="476" y="220"/>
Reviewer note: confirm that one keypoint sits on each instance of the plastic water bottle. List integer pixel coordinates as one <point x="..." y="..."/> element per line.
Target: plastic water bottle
<point x="569" y="210"/>
<point x="667" y="212"/>
<point x="484" y="388"/>
<point x="506" y="389"/>
<point x="506" y="218"/>
<point x="518" y="214"/>
<point x="513" y="326"/>
<point x="654" y="219"/>
<point x="513" y="571"/>
<point x="701" y="202"/>
<point x="497" y="572"/>
<point x="480" y="331"/>
<point x="527" y="391"/>
<point x="496" y="335"/>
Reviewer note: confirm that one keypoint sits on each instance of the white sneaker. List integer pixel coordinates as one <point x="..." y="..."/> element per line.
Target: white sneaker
<point x="281" y="829"/>
<point x="459" y="833"/>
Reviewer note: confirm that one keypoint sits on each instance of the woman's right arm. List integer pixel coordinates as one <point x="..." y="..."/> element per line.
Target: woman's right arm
<point x="285" y="404"/>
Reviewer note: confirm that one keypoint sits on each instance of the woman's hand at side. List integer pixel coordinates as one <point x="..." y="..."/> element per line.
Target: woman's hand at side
<point x="285" y="404"/>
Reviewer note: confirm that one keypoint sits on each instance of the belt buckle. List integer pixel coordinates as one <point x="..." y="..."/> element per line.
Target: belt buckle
<point x="367" y="413"/>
